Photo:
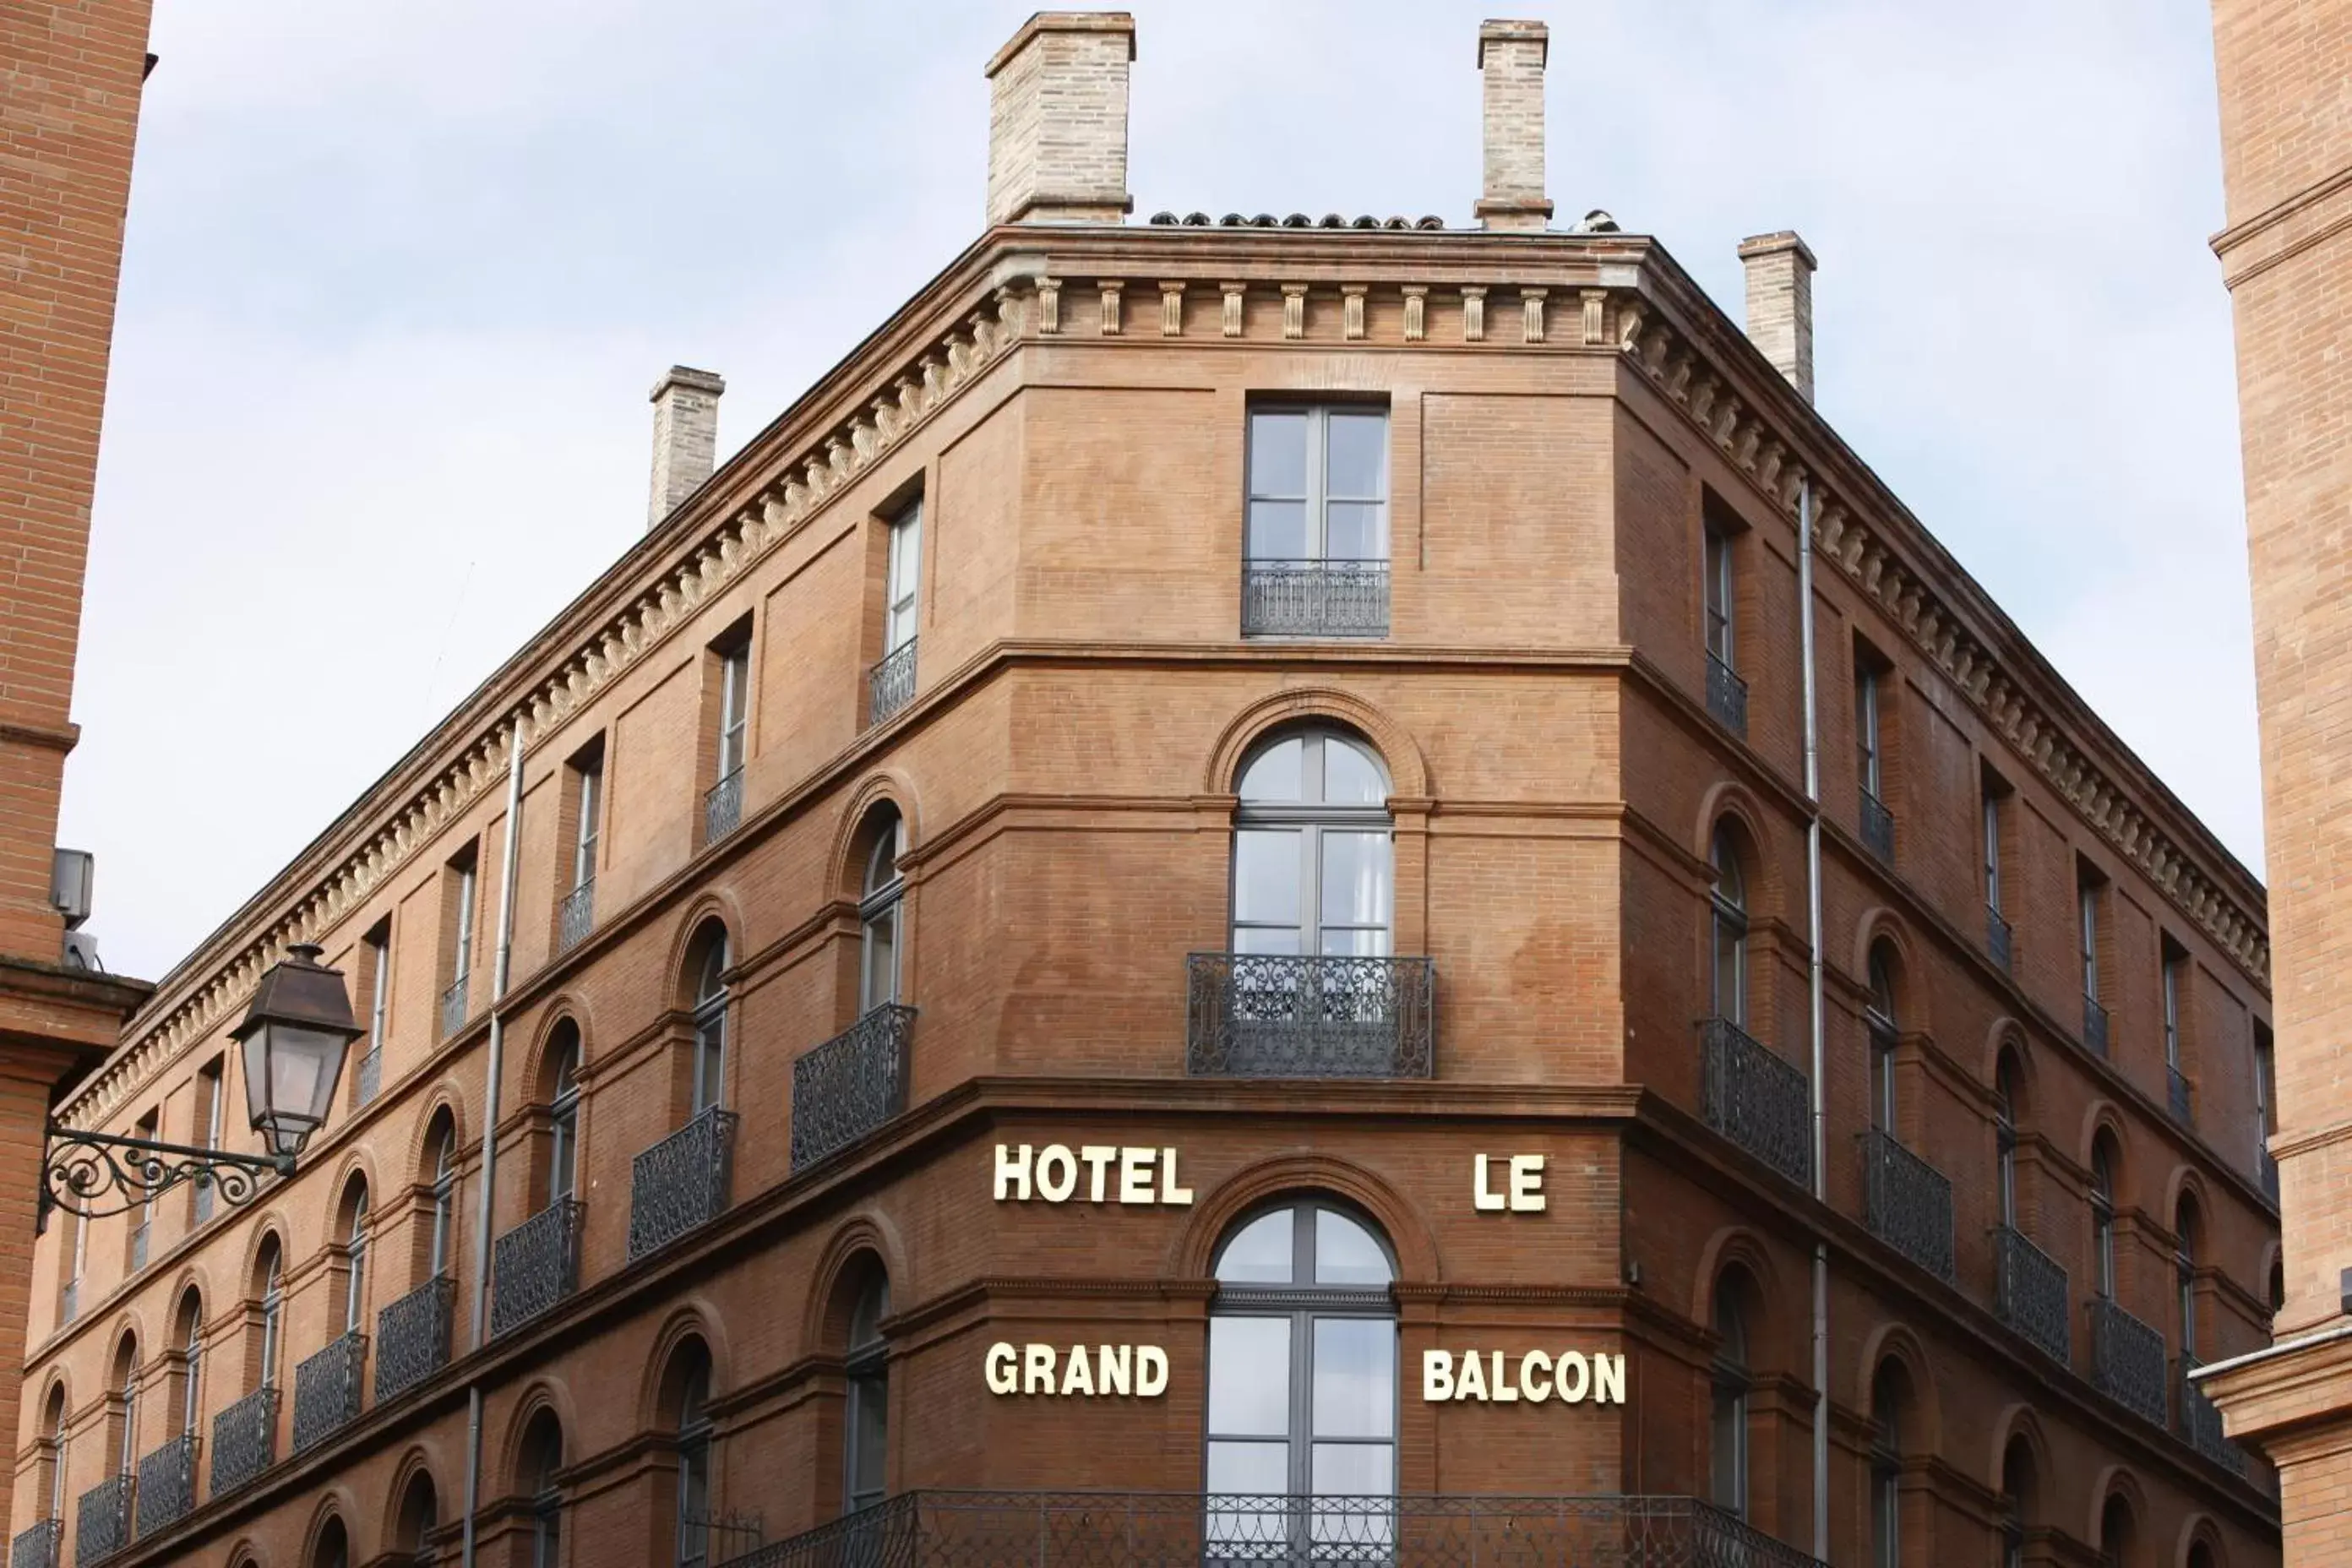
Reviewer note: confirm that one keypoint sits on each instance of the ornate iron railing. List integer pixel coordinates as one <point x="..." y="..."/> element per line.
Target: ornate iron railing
<point x="2095" y="1025"/>
<point x="411" y="1337"/>
<point x="535" y="1265"/>
<point x="1756" y="1099"/>
<point x="37" y="1547"/>
<point x="1726" y="696"/>
<point x="1908" y="1202"/>
<point x="1877" y="827"/>
<point x="371" y="1074"/>
<point x="578" y="915"/>
<point x="244" y="1440"/>
<point x="722" y="807"/>
<point x="2127" y="1360"/>
<point x="327" y="1388"/>
<point x="1315" y="598"/>
<point x="167" y="1484"/>
<point x="2175" y="1083"/>
<point x="1163" y="1529"/>
<point x="718" y="1538"/>
<point x="1998" y="939"/>
<point x="1268" y="1016"/>
<point x="2201" y="1423"/>
<point x="681" y="1182"/>
<point x="2266" y="1168"/>
<point x="454" y="1004"/>
<point x="890" y="683"/>
<point x="2028" y="1292"/>
<point x="102" y="1520"/>
<point x="201" y="1203"/>
<point x="139" y="1238"/>
<point x="850" y="1085"/>
<point x="69" y="1300"/>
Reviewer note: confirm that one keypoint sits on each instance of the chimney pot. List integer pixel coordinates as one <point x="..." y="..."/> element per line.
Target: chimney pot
<point x="1780" y="304"/>
<point x="685" y="436"/>
<point x="1057" y="120"/>
<point x="1511" y="57"/>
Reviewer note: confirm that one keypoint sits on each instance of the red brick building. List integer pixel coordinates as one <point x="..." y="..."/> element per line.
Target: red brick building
<point x="1196" y="876"/>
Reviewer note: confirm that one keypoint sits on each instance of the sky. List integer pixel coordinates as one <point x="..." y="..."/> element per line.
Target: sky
<point x="397" y="281"/>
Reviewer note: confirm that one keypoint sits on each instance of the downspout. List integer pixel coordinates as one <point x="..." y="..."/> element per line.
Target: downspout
<point x="1813" y="978"/>
<point x="498" y="967"/>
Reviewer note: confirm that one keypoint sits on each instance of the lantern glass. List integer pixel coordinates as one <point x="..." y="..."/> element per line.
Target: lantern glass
<point x="291" y="1072"/>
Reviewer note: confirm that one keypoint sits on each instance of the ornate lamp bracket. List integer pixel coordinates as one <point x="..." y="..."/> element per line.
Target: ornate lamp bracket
<point x="94" y="1175"/>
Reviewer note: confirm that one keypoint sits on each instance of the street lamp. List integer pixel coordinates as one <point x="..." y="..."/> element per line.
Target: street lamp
<point x="294" y="1037"/>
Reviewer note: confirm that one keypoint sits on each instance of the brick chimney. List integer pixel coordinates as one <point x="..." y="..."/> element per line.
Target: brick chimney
<point x="1511" y="64"/>
<point x="1057" y="120"/>
<point x="685" y="436"/>
<point x="1780" y="304"/>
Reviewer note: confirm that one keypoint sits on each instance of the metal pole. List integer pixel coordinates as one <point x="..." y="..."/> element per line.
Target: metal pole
<point x="1813" y="976"/>
<point x="498" y="967"/>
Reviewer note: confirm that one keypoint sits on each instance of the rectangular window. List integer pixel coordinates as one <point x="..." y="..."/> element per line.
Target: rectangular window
<point x="1867" y="757"/>
<point x="2265" y="1110"/>
<point x="142" y="1234"/>
<point x="2175" y="960"/>
<point x="1316" y="539"/>
<point x="904" y="577"/>
<point x="1991" y="848"/>
<point x="378" y="955"/>
<point x="208" y="1135"/>
<point x="588" y="802"/>
<point x="2086" y="902"/>
<point x="465" y="894"/>
<point x="1718" y="596"/>
<point x="734" y="683"/>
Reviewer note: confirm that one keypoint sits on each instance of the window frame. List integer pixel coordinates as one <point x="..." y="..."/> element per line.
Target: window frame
<point x="881" y="922"/>
<point x="1728" y="928"/>
<point x="563" y="1128"/>
<point x="587" y="828"/>
<point x="1869" y="737"/>
<point x="1316" y="499"/>
<point x="1310" y="821"/>
<point x="1718" y="599"/>
<point x="866" y="1366"/>
<point x="734" y="706"/>
<point x="709" y="1073"/>
<point x="902" y="575"/>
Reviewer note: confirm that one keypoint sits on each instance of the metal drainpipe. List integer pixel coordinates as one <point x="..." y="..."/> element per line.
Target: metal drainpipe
<point x="499" y="966"/>
<point x="1814" y="977"/>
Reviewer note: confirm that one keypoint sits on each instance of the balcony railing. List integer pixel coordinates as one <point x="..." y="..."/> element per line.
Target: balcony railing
<point x="1997" y="940"/>
<point x="1908" y="1202"/>
<point x="1756" y="1099"/>
<point x="140" y="1234"/>
<point x="2175" y="1083"/>
<point x="1877" y="827"/>
<point x="1726" y="696"/>
<point x="578" y="916"/>
<point x="2201" y="1423"/>
<point x="722" y="807"/>
<point x="327" y="1388"/>
<point x="411" y="1337"/>
<point x="681" y="1182"/>
<point x="244" y="1440"/>
<point x="1315" y="598"/>
<point x="2028" y="1292"/>
<point x="2266" y="1168"/>
<point x="2095" y="1025"/>
<point x="37" y="1547"/>
<point x="1268" y="1016"/>
<point x="371" y="1075"/>
<point x="2127" y="1360"/>
<point x="102" y="1520"/>
<point x="167" y="1484"/>
<point x="201" y="1203"/>
<point x="850" y="1085"/>
<point x="69" y="1300"/>
<point x="454" y="1006"/>
<point x="1177" y="1530"/>
<point x="536" y="1265"/>
<point x="890" y="683"/>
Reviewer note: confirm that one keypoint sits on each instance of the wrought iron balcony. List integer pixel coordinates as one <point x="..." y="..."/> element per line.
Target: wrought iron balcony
<point x="102" y="1520"/>
<point x="1997" y="940"/>
<point x="140" y="1234"/>
<point x="371" y="1075"/>
<point x="1726" y="696"/>
<point x="37" y="1547"/>
<point x="2175" y="1083"/>
<point x="244" y="1440"/>
<point x="578" y="915"/>
<point x="1315" y="598"/>
<point x="681" y="1182"/>
<point x="1908" y="1204"/>
<point x="1877" y="827"/>
<point x="722" y="807"/>
<point x="1756" y="1099"/>
<point x="536" y="1265"/>
<point x="2201" y="1423"/>
<point x="850" y="1085"/>
<point x="2028" y="1292"/>
<point x="327" y="1388"/>
<point x="1181" y="1529"/>
<point x="411" y="1337"/>
<point x="2127" y="1360"/>
<point x="454" y="1005"/>
<point x="1271" y="1015"/>
<point x="2266" y="1167"/>
<point x="890" y="683"/>
<point x="2095" y="1025"/>
<point x="167" y="1484"/>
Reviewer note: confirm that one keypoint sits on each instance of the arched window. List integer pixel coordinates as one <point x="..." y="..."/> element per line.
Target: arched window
<point x="2200" y="1555"/>
<point x="1733" y="1296"/>
<point x="1883" y="1037"/>
<point x="2017" y="1489"/>
<point x="2184" y="1274"/>
<point x="2103" y="1217"/>
<point x="1302" y="1366"/>
<point x="881" y="895"/>
<point x="709" y="1017"/>
<point x="866" y="1448"/>
<point x="2278" y="1286"/>
<point x="443" y="1142"/>
<point x="269" y="1274"/>
<point x="1727" y="910"/>
<point x="563" y="1116"/>
<point x="354" y="1240"/>
<point x="2004" y="1137"/>
<point x="189" y="1330"/>
<point x="2116" y="1529"/>
<point x="53" y="1443"/>
<point x="1313" y="850"/>
<point x="334" y="1548"/>
<point x="542" y="1462"/>
<point x="690" y="1410"/>
<point x="1888" y="1393"/>
<point x="126" y="1393"/>
<point x="420" y="1511"/>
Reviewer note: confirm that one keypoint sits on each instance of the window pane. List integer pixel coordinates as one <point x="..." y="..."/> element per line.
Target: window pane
<point x="1346" y="1253"/>
<point x="871" y="1395"/>
<point x="1355" y="1378"/>
<point x="1354" y="941"/>
<point x="1265" y="877"/>
<point x="1352" y="531"/>
<point x="1355" y="456"/>
<point x="1249" y="1376"/>
<point x="1350" y="777"/>
<point x="1352" y="1469"/>
<point x="1730" y="1441"/>
<point x="1274" y="942"/>
<point x="1277" y="455"/>
<point x="1260" y="1254"/>
<point x="1356" y="882"/>
<point x="1256" y="1469"/>
<point x="1277" y="773"/>
<point x="1278" y="530"/>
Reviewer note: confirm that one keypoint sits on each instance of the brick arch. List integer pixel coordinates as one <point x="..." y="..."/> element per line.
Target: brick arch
<point x="60" y="1388"/>
<point x="191" y="1277"/>
<point x="846" y="859"/>
<point x="356" y="1166"/>
<point x="543" y="1394"/>
<point x="1407" y="769"/>
<point x="536" y="1062"/>
<point x="245" y="1553"/>
<point x="270" y="1223"/>
<point x="2103" y="1116"/>
<point x="1897" y="1343"/>
<point x="2274" y="1261"/>
<point x="1915" y="1006"/>
<point x="2184" y="1181"/>
<point x="1737" y="801"/>
<point x="694" y="1318"/>
<point x="335" y="1506"/>
<point x="420" y="1460"/>
<point x="127" y="1329"/>
<point x="447" y="1094"/>
<point x="2008" y="1035"/>
<point x="825" y="1320"/>
<point x="2199" y="1529"/>
<point x="2116" y="1480"/>
<point x="1738" y="1247"/>
<point x="712" y="904"/>
<point x="2021" y="1422"/>
<point x="1407" y="1229"/>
